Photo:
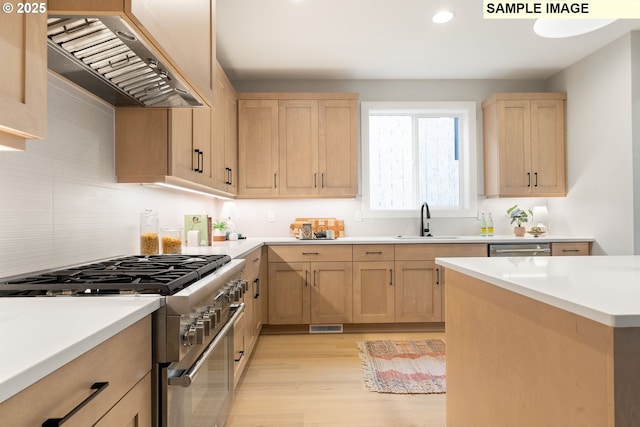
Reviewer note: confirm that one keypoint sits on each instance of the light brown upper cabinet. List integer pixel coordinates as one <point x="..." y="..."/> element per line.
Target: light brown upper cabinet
<point x="258" y="147"/>
<point x="184" y="33"/>
<point x="23" y="78"/>
<point x="172" y="146"/>
<point x="524" y="145"/>
<point x="298" y="145"/>
<point x="225" y="136"/>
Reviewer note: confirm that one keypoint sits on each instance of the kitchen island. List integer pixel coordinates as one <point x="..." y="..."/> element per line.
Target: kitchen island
<point x="543" y="341"/>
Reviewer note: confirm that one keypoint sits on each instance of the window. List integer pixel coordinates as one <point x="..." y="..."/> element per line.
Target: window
<point x="417" y="152"/>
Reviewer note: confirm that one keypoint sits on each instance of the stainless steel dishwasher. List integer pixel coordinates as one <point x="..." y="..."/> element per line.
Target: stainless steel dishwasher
<point x="519" y="249"/>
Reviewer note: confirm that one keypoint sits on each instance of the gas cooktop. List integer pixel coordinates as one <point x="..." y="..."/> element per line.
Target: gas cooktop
<point x="155" y="274"/>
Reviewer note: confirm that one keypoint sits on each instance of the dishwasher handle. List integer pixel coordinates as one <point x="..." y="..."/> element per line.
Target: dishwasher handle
<point x="497" y="250"/>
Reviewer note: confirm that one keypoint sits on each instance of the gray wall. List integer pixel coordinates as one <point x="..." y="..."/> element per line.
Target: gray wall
<point x="599" y="149"/>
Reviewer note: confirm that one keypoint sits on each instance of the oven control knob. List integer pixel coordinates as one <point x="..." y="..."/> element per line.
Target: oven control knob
<point x="199" y="327"/>
<point x="206" y="322"/>
<point x="189" y="336"/>
<point x="215" y="317"/>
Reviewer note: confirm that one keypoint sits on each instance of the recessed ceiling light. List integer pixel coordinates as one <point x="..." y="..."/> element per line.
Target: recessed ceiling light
<point x="561" y="28"/>
<point x="442" y="17"/>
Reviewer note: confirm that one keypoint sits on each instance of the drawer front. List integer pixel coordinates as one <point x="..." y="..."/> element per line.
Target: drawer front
<point x="570" y="248"/>
<point x="122" y="361"/>
<point x="252" y="259"/>
<point x="425" y="251"/>
<point x="310" y="253"/>
<point x="373" y="252"/>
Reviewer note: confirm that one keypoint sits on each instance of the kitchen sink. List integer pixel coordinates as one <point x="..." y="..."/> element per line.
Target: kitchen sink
<point x="426" y="237"/>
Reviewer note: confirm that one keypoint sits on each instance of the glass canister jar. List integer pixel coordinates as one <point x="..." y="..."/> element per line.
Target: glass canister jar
<point x="171" y="240"/>
<point x="149" y="239"/>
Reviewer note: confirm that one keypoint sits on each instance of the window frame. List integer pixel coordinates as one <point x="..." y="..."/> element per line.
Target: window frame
<point x="466" y="112"/>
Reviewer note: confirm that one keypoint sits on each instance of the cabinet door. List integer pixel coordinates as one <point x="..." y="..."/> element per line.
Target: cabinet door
<point x="187" y="34"/>
<point x="183" y="159"/>
<point x="133" y="410"/>
<point x="289" y="293"/>
<point x="298" y="149"/>
<point x="332" y="292"/>
<point x="23" y="78"/>
<point x="201" y="151"/>
<point x="231" y="141"/>
<point x="418" y="292"/>
<point x="373" y="292"/>
<point x="258" y="147"/>
<point x="514" y="130"/>
<point x="548" y="147"/>
<point x="338" y="147"/>
<point x="219" y="136"/>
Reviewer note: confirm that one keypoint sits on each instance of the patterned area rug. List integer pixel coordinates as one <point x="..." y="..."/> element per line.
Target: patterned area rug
<point x="404" y="367"/>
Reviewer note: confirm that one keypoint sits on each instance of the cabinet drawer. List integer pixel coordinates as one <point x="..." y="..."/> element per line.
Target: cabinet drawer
<point x="302" y="253"/>
<point x="570" y="248"/>
<point x="425" y="251"/>
<point x="122" y="361"/>
<point x="373" y="252"/>
<point x="253" y="263"/>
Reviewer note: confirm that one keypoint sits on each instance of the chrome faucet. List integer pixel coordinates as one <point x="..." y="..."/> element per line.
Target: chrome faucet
<point x="424" y="226"/>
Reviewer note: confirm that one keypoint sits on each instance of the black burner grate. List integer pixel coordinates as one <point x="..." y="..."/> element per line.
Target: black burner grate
<point x="156" y="274"/>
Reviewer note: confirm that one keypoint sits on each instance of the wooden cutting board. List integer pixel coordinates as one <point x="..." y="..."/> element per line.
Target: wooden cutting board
<point x="319" y="224"/>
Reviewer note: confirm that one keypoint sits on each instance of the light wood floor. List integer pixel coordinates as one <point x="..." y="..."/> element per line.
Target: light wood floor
<point x="316" y="381"/>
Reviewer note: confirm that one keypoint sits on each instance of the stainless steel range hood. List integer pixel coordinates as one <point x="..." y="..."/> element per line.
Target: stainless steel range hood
<point x="105" y="56"/>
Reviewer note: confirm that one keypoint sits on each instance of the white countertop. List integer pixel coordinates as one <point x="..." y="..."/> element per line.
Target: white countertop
<point x="40" y="335"/>
<point x="605" y="289"/>
<point x="239" y="248"/>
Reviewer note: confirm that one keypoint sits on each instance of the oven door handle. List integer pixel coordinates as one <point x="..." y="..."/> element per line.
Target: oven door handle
<point x="190" y="374"/>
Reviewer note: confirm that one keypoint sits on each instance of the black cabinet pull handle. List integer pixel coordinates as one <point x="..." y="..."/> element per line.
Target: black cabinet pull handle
<point x="229" y="175"/>
<point x="528" y="179"/>
<point x="241" y="353"/>
<point x="536" y="175"/>
<point x="55" y="422"/>
<point x="390" y="277"/>
<point x="257" y="282"/>
<point x="200" y="161"/>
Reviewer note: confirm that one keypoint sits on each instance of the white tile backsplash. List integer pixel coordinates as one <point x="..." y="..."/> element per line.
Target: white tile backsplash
<point x="60" y="203"/>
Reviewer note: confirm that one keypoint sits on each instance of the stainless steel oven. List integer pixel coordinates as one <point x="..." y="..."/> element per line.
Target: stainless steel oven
<point x="200" y="395"/>
<point x="192" y="382"/>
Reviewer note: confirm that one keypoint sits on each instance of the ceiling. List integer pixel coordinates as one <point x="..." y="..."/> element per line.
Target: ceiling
<point x="389" y="39"/>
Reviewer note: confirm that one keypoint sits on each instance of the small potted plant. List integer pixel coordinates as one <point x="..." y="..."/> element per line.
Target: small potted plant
<point x="219" y="231"/>
<point x="520" y="217"/>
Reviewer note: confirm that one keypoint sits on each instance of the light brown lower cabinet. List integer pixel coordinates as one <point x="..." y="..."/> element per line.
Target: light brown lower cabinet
<point x="308" y="293"/>
<point x="419" y="293"/>
<point x="377" y="283"/>
<point x="570" y="249"/>
<point x="123" y="361"/>
<point x="248" y="325"/>
<point x="310" y="284"/>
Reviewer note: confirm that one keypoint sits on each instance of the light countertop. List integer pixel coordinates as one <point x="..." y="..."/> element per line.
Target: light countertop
<point x="239" y="248"/>
<point x="40" y="335"/>
<point x="605" y="289"/>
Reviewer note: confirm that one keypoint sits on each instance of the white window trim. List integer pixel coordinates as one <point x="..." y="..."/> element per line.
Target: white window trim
<point x="468" y="155"/>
